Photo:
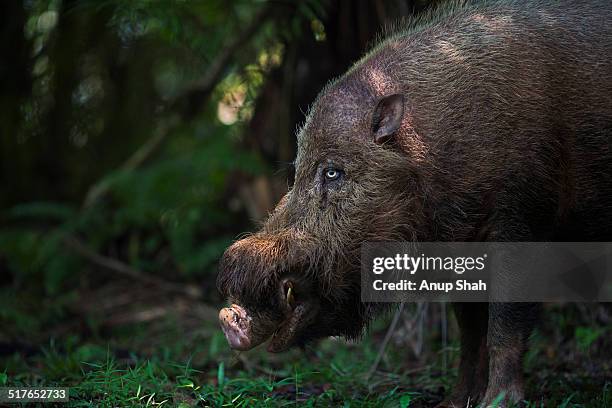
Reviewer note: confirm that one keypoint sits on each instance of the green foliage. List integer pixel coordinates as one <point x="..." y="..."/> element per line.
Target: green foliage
<point x="196" y="373"/>
<point x="586" y="336"/>
<point x="173" y="202"/>
<point x="129" y="63"/>
<point x="98" y="379"/>
<point x="405" y="400"/>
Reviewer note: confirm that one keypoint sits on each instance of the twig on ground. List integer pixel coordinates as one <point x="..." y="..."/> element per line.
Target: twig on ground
<point x="250" y="366"/>
<point x="388" y="336"/>
<point x="127" y="271"/>
<point x="444" y="335"/>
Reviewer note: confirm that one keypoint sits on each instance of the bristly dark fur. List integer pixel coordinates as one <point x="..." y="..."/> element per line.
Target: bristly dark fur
<point x="506" y="135"/>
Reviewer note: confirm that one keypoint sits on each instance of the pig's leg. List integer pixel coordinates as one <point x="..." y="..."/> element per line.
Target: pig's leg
<point x="473" y="365"/>
<point x="510" y="325"/>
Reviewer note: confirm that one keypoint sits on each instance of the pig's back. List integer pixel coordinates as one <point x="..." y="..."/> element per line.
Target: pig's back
<point x="514" y="100"/>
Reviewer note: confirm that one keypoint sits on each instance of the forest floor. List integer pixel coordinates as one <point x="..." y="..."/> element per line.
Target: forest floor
<point x="135" y="347"/>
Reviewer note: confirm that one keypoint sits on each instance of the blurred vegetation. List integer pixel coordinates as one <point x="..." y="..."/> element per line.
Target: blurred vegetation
<point x="138" y="138"/>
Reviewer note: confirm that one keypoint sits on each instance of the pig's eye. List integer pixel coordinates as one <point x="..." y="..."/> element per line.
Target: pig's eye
<point x="332" y="174"/>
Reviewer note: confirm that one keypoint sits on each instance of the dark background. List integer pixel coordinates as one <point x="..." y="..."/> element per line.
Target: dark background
<point x="137" y="140"/>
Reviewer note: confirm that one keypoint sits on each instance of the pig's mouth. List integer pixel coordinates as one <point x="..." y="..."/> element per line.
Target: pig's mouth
<point x="245" y="330"/>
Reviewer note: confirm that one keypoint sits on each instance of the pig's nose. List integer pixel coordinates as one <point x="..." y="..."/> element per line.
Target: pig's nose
<point x="235" y="325"/>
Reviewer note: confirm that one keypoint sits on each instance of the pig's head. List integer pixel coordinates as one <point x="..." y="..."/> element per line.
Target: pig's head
<point x="298" y="278"/>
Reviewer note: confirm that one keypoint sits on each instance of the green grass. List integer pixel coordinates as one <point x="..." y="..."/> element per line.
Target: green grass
<point x="161" y="366"/>
<point x="332" y="376"/>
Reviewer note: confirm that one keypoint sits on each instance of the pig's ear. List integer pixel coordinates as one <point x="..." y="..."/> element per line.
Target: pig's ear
<point x="387" y="117"/>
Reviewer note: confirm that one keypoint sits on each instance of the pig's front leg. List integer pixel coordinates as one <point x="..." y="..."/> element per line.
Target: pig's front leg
<point x="471" y="384"/>
<point x="510" y="325"/>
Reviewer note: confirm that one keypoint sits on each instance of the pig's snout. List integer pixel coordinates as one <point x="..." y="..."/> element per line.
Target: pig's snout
<point x="245" y="330"/>
<point x="272" y="295"/>
<point x="236" y="325"/>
